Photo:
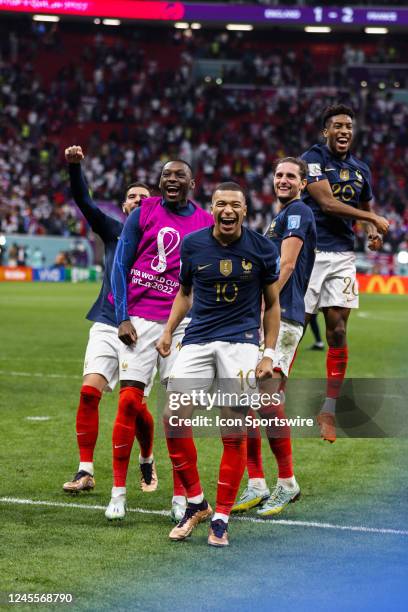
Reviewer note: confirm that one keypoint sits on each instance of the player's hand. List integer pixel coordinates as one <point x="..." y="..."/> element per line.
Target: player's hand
<point x="264" y="369"/>
<point x="375" y="242"/>
<point x="74" y="154"/>
<point x="381" y="224"/>
<point x="127" y="333"/>
<point x="163" y="346"/>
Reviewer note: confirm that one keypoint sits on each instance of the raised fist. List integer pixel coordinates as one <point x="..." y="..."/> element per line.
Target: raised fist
<point x="74" y="154"/>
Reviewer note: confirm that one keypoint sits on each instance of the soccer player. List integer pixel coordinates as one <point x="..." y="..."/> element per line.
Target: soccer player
<point x="227" y="268"/>
<point x="293" y="232"/>
<point x="338" y="192"/>
<point x="144" y="284"/>
<point x="101" y="367"/>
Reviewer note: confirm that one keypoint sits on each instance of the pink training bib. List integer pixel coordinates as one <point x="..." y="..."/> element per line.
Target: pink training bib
<point x="153" y="279"/>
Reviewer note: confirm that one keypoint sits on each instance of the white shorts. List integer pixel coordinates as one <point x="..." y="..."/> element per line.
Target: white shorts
<point x="333" y="282"/>
<point x="227" y="366"/>
<point x="102" y="355"/>
<point x="138" y="362"/>
<point x="290" y="334"/>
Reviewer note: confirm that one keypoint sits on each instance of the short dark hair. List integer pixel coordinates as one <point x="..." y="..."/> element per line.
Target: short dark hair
<point x="230" y="186"/>
<point x="179" y="161"/>
<point x="336" y="109"/>
<point x="138" y="184"/>
<point x="293" y="160"/>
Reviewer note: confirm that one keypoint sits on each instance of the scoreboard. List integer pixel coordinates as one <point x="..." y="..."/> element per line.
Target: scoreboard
<point x="214" y="13"/>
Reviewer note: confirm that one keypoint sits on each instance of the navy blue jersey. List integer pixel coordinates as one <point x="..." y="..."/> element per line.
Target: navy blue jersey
<point x="109" y="230"/>
<point x="350" y="181"/>
<point x="296" y="219"/>
<point x="227" y="285"/>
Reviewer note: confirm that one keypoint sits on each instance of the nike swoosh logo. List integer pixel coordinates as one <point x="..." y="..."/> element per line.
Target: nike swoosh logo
<point x="199" y="268"/>
<point x="330" y="169"/>
<point x="336" y="373"/>
<point x="120" y="445"/>
<point x="81" y="433"/>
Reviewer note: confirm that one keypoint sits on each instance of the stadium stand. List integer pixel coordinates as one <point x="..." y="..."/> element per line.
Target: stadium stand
<point x="229" y="103"/>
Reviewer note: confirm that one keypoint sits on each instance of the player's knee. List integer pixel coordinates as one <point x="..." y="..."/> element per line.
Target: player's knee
<point x="336" y="337"/>
<point x="90" y="394"/>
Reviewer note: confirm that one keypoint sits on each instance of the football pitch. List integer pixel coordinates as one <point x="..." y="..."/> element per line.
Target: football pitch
<point x="343" y="546"/>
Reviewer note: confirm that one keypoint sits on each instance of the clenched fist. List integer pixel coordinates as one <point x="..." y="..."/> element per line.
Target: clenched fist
<point x="74" y="154"/>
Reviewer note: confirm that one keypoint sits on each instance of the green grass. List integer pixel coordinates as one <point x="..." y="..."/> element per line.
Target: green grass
<point x="133" y="565"/>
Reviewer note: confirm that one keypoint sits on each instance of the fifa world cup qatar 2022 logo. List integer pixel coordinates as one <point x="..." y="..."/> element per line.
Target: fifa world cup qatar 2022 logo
<point x="168" y="239"/>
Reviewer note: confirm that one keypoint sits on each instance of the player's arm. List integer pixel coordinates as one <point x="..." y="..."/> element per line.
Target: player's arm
<point x="375" y="239"/>
<point x="321" y="192"/>
<point x="271" y="323"/>
<point x="125" y="256"/>
<point x="99" y="222"/>
<point x="181" y="305"/>
<point x="290" y="250"/>
<point x="182" y="302"/>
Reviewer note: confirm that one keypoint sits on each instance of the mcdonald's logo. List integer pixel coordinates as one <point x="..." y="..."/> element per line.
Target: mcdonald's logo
<point x="383" y="284"/>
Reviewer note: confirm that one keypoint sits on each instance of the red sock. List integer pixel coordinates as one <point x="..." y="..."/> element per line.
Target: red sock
<point x="145" y="431"/>
<point x="254" y="452"/>
<point x="178" y="488"/>
<point x="183" y="455"/>
<point x="279" y="442"/>
<point x="87" y="422"/>
<point x="232" y="469"/>
<point x="336" y="365"/>
<point x="130" y="403"/>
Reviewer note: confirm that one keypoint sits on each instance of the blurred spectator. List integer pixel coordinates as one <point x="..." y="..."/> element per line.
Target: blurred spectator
<point x="133" y="104"/>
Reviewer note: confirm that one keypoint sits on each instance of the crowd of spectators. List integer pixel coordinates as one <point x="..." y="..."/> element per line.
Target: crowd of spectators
<point x="132" y="104"/>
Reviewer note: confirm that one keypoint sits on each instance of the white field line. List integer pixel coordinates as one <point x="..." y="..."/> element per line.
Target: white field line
<point x="39" y="375"/>
<point x="246" y="519"/>
<point x="53" y="359"/>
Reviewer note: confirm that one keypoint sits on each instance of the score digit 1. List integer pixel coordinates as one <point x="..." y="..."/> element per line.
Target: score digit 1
<point x="318" y="13"/>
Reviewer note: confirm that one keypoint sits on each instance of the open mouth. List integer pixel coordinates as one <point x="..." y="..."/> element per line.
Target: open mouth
<point x="227" y="222"/>
<point x="173" y="190"/>
<point x="343" y="142"/>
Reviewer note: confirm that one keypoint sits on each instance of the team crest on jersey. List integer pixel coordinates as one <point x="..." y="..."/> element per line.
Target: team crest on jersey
<point x="124" y="365"/>
<point x="344" y="174"/>
<point x="271" y="229"/>
<point x="246" y="265"/>
<point x="359" y="176"/>
<point x="225" y="267"/>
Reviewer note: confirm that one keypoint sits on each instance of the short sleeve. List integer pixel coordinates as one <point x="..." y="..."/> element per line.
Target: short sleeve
<point x="186" y="269"/>
<point x="366" y="192"/>
<point x="315" y="166"/>
<point x="297" y="222"/>
<point x="271" y="264"/>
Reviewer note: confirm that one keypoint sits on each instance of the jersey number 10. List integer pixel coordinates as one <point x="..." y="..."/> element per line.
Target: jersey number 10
<point x="227" y="292"/>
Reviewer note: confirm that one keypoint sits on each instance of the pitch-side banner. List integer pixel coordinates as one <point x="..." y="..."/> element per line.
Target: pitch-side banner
<point x="376" y="283"/>
<point x="221" y="13"/>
